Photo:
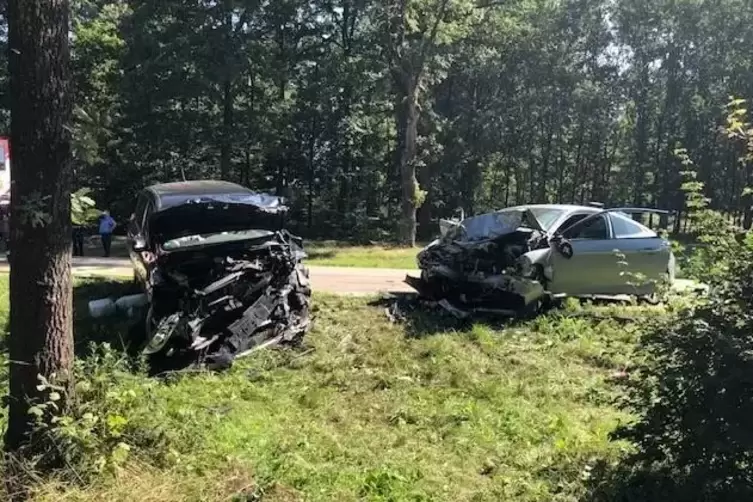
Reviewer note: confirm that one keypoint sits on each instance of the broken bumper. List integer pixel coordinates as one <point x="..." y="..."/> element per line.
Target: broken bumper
<point x="502" y="294"/>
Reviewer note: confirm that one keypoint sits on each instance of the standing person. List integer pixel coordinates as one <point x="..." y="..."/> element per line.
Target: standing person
<point x="78" y="240"/>
<point x="106" y="227"/>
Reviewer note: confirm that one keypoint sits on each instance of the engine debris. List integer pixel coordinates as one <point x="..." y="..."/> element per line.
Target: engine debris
<point x="216" y="303"/>
<point x="477" y="267"/>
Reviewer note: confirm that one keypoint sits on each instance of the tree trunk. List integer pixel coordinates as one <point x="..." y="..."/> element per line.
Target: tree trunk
<point x="311" y="173"/>
<point x="747" y="199"/>
<point x="423" y="213"/>
<point x="641" y="133"/>
<point x="41" y="339"/>
<point x="544" y="173"/>
<point x="407" y="119"/>
<point x="227" y="129"/>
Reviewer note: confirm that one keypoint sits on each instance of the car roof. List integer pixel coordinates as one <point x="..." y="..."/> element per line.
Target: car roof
<point x="172" y="194"/>
<point x="560" y="207"/>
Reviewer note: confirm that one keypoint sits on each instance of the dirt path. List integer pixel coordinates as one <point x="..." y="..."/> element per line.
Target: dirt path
<point x="341" y="280"/>
<point x="327" y="279"/>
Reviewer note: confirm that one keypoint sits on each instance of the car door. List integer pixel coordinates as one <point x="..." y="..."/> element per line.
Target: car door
<point x="646" y="254"/>
<point x="592" y="268"/>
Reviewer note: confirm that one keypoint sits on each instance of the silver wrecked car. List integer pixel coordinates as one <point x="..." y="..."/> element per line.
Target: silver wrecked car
<point x="510" y="260"/>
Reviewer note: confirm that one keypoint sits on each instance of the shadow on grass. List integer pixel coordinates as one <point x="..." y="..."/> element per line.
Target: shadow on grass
<point x="633" y="482"/>
<point x="120" y="332"/>
<point x="691" y="393"/>
<point x="422" y="319"/>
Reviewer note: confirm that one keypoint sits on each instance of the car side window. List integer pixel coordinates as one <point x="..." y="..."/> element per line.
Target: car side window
<point x="138" y="213"/>
<point x="626" y="228"/>
<point x="571" y="221"/>
<point x="147" y="213"/>
<point x="594" y="229"/>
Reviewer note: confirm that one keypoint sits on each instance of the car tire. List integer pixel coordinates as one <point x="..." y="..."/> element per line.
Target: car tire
<point x="652" y="299"/>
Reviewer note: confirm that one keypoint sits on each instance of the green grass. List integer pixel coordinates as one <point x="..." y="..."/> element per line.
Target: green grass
<point x="369" y="410"/>
<point x="332" y="254"/>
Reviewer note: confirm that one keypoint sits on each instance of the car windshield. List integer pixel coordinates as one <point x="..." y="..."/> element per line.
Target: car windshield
<point x="546" y="216"/>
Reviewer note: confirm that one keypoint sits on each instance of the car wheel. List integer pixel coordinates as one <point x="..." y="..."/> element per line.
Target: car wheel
<point x="657" y="297"/>
<point x="652" y="299"/>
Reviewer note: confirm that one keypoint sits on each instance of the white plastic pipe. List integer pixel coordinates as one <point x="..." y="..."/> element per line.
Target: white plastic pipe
<point x="102" y="308"/>
<point x="125" y="303"/>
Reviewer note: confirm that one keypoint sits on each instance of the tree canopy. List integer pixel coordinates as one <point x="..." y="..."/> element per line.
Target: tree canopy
<point x="364" y="112"/>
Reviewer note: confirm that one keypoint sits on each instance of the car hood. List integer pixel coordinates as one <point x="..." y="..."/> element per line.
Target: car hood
<point x="195" y="241"/>
<point x="488" y="226"/>
<point x="218" y="214"/>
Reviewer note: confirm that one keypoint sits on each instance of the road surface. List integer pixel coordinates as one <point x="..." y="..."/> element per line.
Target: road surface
<point x="328" y="279"/>
<point x="341" y="280"/>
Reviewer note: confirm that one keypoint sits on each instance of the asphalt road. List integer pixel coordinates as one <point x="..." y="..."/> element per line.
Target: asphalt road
<point x="340" y="280"/>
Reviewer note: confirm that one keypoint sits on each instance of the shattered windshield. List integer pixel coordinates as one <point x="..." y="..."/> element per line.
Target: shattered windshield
<point x="493" y="225"/>
<point x="546" y="216"/>
<point x="191" y="220"/>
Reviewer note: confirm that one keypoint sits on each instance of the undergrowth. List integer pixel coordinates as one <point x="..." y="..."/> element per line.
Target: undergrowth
<point x="367" y="410"/>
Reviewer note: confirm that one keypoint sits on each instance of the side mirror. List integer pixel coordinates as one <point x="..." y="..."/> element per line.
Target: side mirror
<point x="139" y="244"/>
<point x="565" y="249"/>
<point x="562" y="246"/>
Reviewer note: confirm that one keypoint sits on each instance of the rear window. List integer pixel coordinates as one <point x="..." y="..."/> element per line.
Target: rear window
<point x="626" y="228"/>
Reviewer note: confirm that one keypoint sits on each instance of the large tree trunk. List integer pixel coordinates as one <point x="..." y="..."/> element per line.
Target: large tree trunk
<point x="641" y="133"/>
<point x="227" y="129"/>
<point x="41" y="341"/>
<point x="407" y="119"/>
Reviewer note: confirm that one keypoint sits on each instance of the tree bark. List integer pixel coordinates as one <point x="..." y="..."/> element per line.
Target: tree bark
<point x="227" y="129"/>
<point x="41" y="339"/>
<point x="641" y="131"/>
<point x="407" y="119"/>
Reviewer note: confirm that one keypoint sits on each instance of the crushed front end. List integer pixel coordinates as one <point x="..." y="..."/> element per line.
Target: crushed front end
<point x="212" y="303"/>
<point x="479" y="265"/>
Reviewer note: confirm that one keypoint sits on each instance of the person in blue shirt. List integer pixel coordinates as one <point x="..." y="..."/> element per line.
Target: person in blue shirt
<point x="106" y="227"/>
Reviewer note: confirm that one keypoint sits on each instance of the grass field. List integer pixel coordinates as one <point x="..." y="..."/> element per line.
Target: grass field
<point x="333" y="254"/>
<point x="370" y="410"/>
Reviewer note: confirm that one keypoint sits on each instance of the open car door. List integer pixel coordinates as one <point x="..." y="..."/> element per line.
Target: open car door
<point x="627" y="258"/>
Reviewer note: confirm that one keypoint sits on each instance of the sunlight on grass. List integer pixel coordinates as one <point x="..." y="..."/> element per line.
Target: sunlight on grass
<point x="370" y="410"/>
<point x="330" y="254"/>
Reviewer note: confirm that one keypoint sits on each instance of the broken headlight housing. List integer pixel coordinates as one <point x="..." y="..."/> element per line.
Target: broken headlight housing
<point x="524" y="267"/>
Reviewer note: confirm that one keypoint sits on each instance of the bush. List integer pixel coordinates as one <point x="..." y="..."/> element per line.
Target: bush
<point x="107" y="418"/>
<point x="693" y="396"/>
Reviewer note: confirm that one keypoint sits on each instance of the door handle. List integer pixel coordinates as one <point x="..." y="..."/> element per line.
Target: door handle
<point x="649" y="250"/>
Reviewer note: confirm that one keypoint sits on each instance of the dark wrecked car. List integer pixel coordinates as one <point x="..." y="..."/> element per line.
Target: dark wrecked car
<point x="221" y="274"/>
<point x="514" y="260"/>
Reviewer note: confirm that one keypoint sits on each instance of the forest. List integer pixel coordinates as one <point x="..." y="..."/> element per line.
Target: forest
<point x="376" y="118"/>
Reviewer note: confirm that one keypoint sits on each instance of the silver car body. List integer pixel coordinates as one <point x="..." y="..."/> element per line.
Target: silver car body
<point x="611" y="253"/>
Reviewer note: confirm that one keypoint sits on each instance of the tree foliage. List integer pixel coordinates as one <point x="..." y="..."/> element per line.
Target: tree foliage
<point x="693" y="392"/>
<point x="365" y="113"/>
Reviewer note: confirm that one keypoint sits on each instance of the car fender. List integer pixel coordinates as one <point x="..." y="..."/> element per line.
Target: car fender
<point x="542" y="258"/>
